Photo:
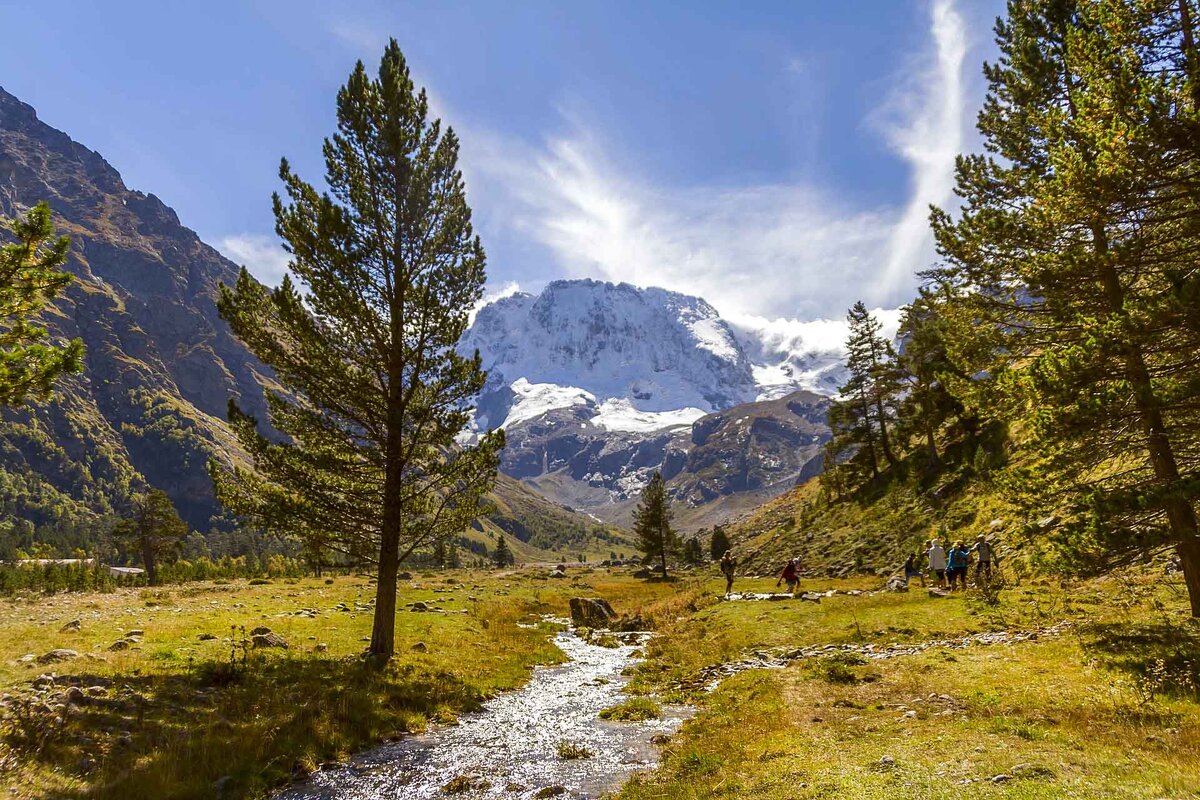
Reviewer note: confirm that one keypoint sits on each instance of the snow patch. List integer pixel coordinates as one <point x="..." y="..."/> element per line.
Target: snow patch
<point x="618" y="414"/>
<point x="534" y="399"/>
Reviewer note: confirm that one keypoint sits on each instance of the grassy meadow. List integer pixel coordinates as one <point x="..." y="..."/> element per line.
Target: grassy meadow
<point x="172" y="717"/>
<point x="1108" y="709"/>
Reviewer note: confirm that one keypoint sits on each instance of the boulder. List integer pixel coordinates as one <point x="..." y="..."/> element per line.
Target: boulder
<point x="75" y="696"/>
<point x="591" y="612"/>
<point x="268" y="639"/>
<point x="59" y="654"/>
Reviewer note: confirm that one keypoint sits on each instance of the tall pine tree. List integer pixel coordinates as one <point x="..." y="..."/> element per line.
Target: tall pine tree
<point x="652" y="525"/>
<point x="1074" y="265"/>
<point x="384" y="270"/>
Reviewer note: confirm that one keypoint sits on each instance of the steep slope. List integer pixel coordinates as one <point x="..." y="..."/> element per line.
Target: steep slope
<point x="161" y="366"/>
<point x="874" y="530"/>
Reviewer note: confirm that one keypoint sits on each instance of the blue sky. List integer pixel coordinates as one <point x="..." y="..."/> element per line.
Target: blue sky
<point x="776" y="158"/>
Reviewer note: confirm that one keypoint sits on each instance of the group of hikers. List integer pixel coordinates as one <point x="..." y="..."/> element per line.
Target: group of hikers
<point x="945" y="567"/>
<point x="952" y="566"/>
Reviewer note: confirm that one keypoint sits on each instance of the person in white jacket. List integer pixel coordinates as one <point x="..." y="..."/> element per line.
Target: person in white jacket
<point x="937" y="560"/>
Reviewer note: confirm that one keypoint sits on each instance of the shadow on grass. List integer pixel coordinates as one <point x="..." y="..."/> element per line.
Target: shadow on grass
<point x="1164" y="658"/>
<point x="265" y="724"/>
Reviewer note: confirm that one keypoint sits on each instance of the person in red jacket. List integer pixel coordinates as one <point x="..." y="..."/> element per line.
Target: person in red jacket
<point x="790" y="575"/>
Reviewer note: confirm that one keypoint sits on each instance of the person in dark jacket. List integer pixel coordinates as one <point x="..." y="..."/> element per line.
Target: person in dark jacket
<point x="728" y="564"/>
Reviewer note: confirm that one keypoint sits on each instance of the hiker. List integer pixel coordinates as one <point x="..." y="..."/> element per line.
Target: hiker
<point x="956" y="565"/>
<point x="791" y="575"/>
<point x="985" y="552"/>
<point x="911" y="570"/>
<point x="727" y="566"/>
<point x="937" y="560"/>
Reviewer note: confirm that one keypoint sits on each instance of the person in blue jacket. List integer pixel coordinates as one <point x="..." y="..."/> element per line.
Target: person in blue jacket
<point x="956" y="565"/>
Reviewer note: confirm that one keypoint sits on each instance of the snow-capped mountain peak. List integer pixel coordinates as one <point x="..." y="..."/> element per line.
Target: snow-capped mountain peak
<point x="639" y="359"/>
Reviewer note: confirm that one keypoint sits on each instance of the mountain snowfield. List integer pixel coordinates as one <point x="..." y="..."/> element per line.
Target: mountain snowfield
<point x="642" y="359"/>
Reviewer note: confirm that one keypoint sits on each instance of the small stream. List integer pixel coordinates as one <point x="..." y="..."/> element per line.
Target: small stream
<point x="510" y="748"/>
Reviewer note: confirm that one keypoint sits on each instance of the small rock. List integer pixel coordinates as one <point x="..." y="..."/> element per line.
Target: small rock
<point x="60" y="654"/>
<point x="75" y="696"/>
<point x="96" y="691"/>
<point x="207" y="637"/>
<point x="121" y="644"/>
<point x="550" y="791"/>
<point x="86" y="764"/>
<point x="418" y="606"/>
<point x="404" y="576"/>
<point x="887" y="762"/>
<point x="43" y="681"/>
<point x="320" y="647"/>
<point x="27" y="658"/>
<point x="934" y="592"/>
<point x="135" y="632"/>
<point x="73" y="625"/>
<point x="420" y="647"/>
<point x="1001" y="778"/>
<point x="268" y="639"/>
<point x="261" y="630"/>
<point x="221" y="785"/>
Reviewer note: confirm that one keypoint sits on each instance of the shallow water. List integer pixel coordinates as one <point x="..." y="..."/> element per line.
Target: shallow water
<point x="509" y="749"/>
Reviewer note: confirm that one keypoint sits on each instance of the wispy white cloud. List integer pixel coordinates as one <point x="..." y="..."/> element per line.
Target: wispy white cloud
<point x="260" y="254"/>
<point x="776" y="249"/>
<point x="492" y="294"/>
<point x="929" y="134"/>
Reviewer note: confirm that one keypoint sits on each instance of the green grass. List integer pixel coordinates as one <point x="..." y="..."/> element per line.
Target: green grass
<point x="635" y="709"/>
<point x="1109" y="710"/>
<point x="178" y="717"/>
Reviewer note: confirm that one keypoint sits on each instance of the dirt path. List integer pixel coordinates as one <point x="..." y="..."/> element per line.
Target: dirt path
<point x="780" y="657"/>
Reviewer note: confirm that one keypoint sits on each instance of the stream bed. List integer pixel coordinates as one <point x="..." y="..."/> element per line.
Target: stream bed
<point x="510" y="748"/>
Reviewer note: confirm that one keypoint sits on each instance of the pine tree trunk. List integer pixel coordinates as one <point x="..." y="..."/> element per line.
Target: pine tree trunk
<point x="883" y="433"/>
<point x="383" y="629"/>
<point x="662" y="552"/>
<point x="1181" y="516"/>
<point x="149" y="561"/>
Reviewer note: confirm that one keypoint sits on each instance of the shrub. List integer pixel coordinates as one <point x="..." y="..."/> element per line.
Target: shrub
<point x="635" y="709"/>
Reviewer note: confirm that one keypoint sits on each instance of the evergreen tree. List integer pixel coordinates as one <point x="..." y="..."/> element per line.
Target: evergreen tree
<point x="29" y="278"/>
<point x="924" y="367"/>
<point x="652" y="524"/>
<point x="693" y="552"/>
<point x="861" y="417"/>
<point x="719" y="543"/>
<point x="361" y="335"/>
<point x="155" y="530"/>
<point x="1073" y="266"/>
<point x="503" y="556"/>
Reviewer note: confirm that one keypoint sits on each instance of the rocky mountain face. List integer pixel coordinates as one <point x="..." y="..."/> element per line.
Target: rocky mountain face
<point x="599" y="385"/>
<point x="161" y="366"/>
